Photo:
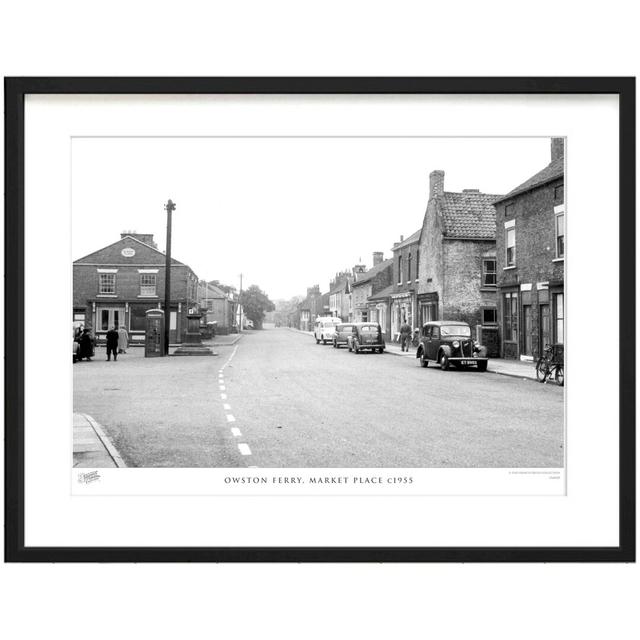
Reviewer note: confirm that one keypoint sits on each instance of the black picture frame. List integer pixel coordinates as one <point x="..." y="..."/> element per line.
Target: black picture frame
<point x="15" y="91"/>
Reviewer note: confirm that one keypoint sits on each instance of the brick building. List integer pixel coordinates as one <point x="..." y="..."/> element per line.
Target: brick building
<point x="368" y="284"/>
<point x="406" y="259"/>
<point x="311" y="307"/>
<point x="457" y="255"/>
<point x="117" y="284"/>
<point x="217" y="306"/>
<point x="530" y="261"/>
<point x="339" y="295"/>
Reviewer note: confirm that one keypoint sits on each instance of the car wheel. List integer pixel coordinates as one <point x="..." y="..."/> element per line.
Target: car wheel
<point x="560" y="376"/>
<point x="423" y="361"/>
<point x="482" y="365"/>
<point x="444" y="361"/>
<point x="317" y="341"/>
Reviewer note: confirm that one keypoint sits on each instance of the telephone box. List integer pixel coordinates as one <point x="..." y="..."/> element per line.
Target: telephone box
<point x="154" y="334"/>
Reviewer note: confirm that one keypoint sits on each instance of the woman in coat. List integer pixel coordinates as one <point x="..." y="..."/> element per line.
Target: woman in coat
<point x="123" y="339"/>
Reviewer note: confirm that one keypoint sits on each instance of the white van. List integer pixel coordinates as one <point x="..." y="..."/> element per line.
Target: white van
<point x="325" y="329"/>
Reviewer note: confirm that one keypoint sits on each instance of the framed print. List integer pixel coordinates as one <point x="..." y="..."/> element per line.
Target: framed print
<point x="320" y="319"/>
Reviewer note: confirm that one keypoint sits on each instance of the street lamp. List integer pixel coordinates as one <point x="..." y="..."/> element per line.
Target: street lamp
<point x="169" y="208"/>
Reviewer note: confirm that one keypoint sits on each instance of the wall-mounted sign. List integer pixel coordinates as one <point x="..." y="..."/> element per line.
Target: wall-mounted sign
<point x="128" y="252"/>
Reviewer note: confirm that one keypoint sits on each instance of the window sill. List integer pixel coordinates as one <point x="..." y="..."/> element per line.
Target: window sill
<point x="148" y="297"/>
<point x="106" y="295"/>
<point x="489" y="287"/>
<point x="508" y="268"/>
<point x="558" y="260"/>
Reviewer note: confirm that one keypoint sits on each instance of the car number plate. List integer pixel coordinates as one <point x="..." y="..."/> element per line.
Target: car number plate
<point x="464" y="362"/>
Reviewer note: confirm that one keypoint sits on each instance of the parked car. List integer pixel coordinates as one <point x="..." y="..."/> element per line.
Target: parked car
<point x="325" y="329"/>
<point x="448" y="342"/>
<point x="341" y="335"/>
<point x="366" y="335"/>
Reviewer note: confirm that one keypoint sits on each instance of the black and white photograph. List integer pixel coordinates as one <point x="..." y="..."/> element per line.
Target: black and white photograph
<point x="318" y="302"/>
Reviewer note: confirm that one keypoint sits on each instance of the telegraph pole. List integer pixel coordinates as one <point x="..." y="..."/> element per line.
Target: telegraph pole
<point x="169" y="208"/>
<point x="240" y="310"/>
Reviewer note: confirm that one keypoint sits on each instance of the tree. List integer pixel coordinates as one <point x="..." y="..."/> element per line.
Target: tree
<point x="256" y="304"/>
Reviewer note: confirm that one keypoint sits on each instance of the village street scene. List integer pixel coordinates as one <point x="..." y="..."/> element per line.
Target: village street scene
<point x="443" y="347"/>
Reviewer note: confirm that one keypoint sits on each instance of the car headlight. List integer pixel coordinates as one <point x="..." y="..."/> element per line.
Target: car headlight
<point x="455" y="344"/>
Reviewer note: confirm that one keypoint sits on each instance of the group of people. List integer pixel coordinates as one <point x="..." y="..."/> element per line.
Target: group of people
<point x="117" y="342"/>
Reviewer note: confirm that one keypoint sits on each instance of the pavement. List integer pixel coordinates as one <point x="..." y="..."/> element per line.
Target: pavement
<point x="513" y="368"/>
<point x="277" y="399"/>
<point x="91" y="445"/>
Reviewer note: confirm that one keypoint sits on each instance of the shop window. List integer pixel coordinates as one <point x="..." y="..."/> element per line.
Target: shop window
<point x="558" y="194"/>
<point x="137" y="316"/>
<point x="558" y="308"/>
<point x="510" y="317"/>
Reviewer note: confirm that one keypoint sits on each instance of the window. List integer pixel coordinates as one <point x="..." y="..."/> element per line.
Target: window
<point x="137" y="316"/>
<point x="417" y="263"/>
<point x="510" y="309"/>
<point x="558" y="304"/>
<point x="409" y="268"/>
<point x="489" y="316"/>
<point x="489" y="272"/>
<point x="399" y="269"/>
<point x="560" y="235"/>
<point x="147" y="284"/>
<point x="107" y="283"/>
<point x="510" y="244"/>
<point x="558" y="194"/>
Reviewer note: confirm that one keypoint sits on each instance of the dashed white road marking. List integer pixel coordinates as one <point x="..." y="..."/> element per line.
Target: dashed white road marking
<point x="226" y="407"/>
<point x="233" y="353"/>
<point x="223" y="396"/>
<point x="222" y="387"/>
<point x="236" y="432"/>
<point x="244" y="449"/>
<point x="230" y="418"/>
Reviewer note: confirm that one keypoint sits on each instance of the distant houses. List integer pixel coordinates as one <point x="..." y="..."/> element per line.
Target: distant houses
<point x="494" y="261"/>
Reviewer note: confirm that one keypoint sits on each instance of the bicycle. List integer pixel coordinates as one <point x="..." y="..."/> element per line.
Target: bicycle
<point x="550" y="366"/>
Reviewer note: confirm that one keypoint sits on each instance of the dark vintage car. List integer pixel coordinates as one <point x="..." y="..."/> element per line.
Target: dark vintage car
<point x="365" y="335"/>
<point x="448" y="342"/>
<point x="341" y="335"/>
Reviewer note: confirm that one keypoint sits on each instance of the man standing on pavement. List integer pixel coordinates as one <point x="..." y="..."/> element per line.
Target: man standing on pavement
<point x="405" y="336"/>
<point x="112" y="343"/>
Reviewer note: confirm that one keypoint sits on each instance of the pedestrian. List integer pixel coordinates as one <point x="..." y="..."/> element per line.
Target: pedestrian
<point x="112" y="343"/>
<point x="86" y="346"/>
<point x="405" y="336"/>
<point x="123" y="339"/>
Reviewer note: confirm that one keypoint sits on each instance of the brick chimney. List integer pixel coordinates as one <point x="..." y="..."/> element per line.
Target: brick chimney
<point x="436" y="183"/>
<point x="378" y="257"/>
<point x="557" y="148"/>
<point x="147" y="238"/>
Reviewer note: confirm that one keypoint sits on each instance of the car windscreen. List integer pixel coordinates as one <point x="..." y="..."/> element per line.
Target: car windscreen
<point x="344" y="327"/>
<point x="455" y="330"/>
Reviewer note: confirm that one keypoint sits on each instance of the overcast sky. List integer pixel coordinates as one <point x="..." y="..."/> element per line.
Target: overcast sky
<point x="286" y="212"/>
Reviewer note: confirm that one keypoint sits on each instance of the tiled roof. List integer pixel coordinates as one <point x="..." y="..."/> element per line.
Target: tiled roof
<point x="469" y="214"/>
<point x="414" y="237"/>
<point x="374" y="271"/>
<point x="381" y="295"/>
<point x="552" y="171"/>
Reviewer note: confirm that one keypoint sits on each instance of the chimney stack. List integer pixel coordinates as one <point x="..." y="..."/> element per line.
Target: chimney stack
<point x="557" y="148"/>
<point x="378" y="257"/>
<point x="436" y="183"/>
